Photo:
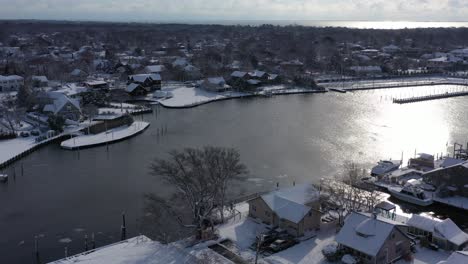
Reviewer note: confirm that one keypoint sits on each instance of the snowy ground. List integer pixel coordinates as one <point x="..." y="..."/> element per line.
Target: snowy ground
<point x="427" y="256"/>
<point x="145" y="251"/>
<point x="105" y="137"/>
<point x="190" y="96"/>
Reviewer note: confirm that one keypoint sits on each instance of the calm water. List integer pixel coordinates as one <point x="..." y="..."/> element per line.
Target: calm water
<point x="318" y="23"/>
<point x="65" y="194"/>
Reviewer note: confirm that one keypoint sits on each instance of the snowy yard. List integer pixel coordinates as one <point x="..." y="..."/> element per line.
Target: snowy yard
<point x="105" y="137"/>
<point x="190" y="96"/>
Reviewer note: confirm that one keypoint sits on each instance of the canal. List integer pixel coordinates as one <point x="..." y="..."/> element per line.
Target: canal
<point x="61" y="196"/>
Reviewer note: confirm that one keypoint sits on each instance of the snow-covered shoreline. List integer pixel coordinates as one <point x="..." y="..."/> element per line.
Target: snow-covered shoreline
<point x="112" y="135"/>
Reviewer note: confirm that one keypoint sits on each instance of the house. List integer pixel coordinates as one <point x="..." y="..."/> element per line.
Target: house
<point x="390" y="49"/>
<point x="40" y="81"/>
<point x="154" y="69"/>
<point x="150" y="81"/>
<point x="444" y="233"/>
<point x="61" y="105"/>
<point x="452" y="180"/>
<point x="456" y="258"/>
<point x="373" y="239"/>
<point x="294" y="209"/>
<point x="215" y="84"/>
<point x="136" y="89"/>
<point x="180" y="63"/>
<point x="258" y="75"/>
<point x="236" y="75"/>
<point x="10" y="83"/>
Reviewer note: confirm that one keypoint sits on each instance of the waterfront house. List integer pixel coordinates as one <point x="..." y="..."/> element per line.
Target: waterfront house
<point x="444" y="233"/>
<point x="215" y="84"/>
<point x="258" y="75"/>
<point x="373" y="239"/>
<point x="136" y="89"/>
<point x="294" y="209"/>
<point x="10" y="83"/>
<point x="456" y="258"/>
<point x="61" y="105"/>
<point x="150" y="81"/>
<point x="452" y="180"/>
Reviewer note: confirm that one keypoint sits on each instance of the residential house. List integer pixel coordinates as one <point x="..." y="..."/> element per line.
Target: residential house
<point x="215" y="84"/>
<point x="78" y="75"/>
<point x="136" y="89"/>
<point x="457" y="257"/>
<point x="295" y="209"/>
<point x="258" y="75"/>
<point x="452" y="180"/>
<point x="373" y="239"/>
<point x="61" y="105"/>
<point x="40" y="81"/>
<point x="444" y="233"/>
<point x="150" y="81"/>
<point x="10" y="83"/>
<point x="391" y="49"/>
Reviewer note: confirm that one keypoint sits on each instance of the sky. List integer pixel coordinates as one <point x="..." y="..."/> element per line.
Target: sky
<point x="157" y="10"/>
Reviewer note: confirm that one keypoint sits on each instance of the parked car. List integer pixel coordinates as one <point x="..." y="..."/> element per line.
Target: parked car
<point x="24" y="134"/>
<point x="281" y="244"/>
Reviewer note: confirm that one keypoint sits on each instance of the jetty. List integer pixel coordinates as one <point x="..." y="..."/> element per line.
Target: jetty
<point x="107" y="137"/>
<point x="428" y="97"/>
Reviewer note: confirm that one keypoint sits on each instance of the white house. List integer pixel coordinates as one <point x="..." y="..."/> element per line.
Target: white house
<point x="10" y="83"/>
<point x="215" y="84"/>
<point x="61" y="105"/>
<point x="444" y="233"/>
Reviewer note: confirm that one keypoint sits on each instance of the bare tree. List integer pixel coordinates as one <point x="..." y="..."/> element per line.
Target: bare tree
<point x="201" y="178"/>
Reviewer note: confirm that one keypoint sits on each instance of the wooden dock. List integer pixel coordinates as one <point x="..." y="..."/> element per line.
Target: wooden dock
<point x="428" y="97"/>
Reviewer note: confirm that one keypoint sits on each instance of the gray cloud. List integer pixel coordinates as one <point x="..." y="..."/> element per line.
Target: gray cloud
<point x="138" y="10"/>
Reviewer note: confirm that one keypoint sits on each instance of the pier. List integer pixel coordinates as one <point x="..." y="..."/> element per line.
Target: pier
<point x="428" y="97"/>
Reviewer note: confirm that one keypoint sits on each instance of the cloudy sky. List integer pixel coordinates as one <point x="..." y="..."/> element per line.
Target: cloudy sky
<point x="154" y="10"/>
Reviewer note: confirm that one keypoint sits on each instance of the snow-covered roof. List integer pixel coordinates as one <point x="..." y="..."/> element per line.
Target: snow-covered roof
<point x="364" y="233"/>
<point x="143" y="77"/>
<point x="238" y="74"/>
<point x="180" y="62"/>
<point x="216" y="80"/>
<point x="39" y="78"/>
<point x="155" y="68"/>
<point x="11" y="78"/>
<point x="257" y="73"/>
<point x="59" y="101"/>
<point x="446" y="229"/>
<point x="456" y="258"/>
<point x="131" y="87"/>
<point x="423" y="222"/>
<point x="366" y="68"/>
<point x="290" y="203"/>
<point x="450" y="231"/>
<point x="77" y="72"/>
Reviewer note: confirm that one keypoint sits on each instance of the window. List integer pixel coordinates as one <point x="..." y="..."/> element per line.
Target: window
<point x="393" y="235"/>
<point x="310" y="214"/>
<point x="254" y="208"/>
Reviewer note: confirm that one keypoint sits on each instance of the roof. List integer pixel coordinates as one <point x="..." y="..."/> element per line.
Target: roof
<point x="40" y="78"/>
<point x="449" y="230"/>
<point x="258" y="74"/>
<point x="238" y="74"/>
<point x="365" y="234"/>
<point x="11" y="78"/>
<point x="446" y="229"/>
<point x="131" y="87"/>
<point x="143" y="77"/>
<point x="385" y="206"/>
<point x="59" y="101"/>
<point x="216" y="80"/>
<point x="155" y="68"/>
<point x="290" y="203"/>
<point x="456" y="258"/>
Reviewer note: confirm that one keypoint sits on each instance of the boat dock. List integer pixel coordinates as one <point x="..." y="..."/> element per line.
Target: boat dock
<point x="429" y="97"/>
<point x="338" y="90"/>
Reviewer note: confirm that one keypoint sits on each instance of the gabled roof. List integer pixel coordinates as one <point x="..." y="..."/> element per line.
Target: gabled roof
<point x="238" y="74"/>
<point x="216" y="80"/>
<point x="155" y="68"/>
<point x="446" y="229"/>
<point x="290" y="203"/>
<point x="59" y="101"/>
<point x="364" y="233"/>
<point x="131" y="87"/>
<point x="143" y="77"/>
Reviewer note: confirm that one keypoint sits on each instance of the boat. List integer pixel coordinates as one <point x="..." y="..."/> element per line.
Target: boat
<point x="385" y="166"/>
<point x="3" y="177"/>
<point x="411" y="194"/>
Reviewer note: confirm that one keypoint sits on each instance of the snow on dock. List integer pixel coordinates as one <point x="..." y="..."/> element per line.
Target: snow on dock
<point x="112" y="135"/>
